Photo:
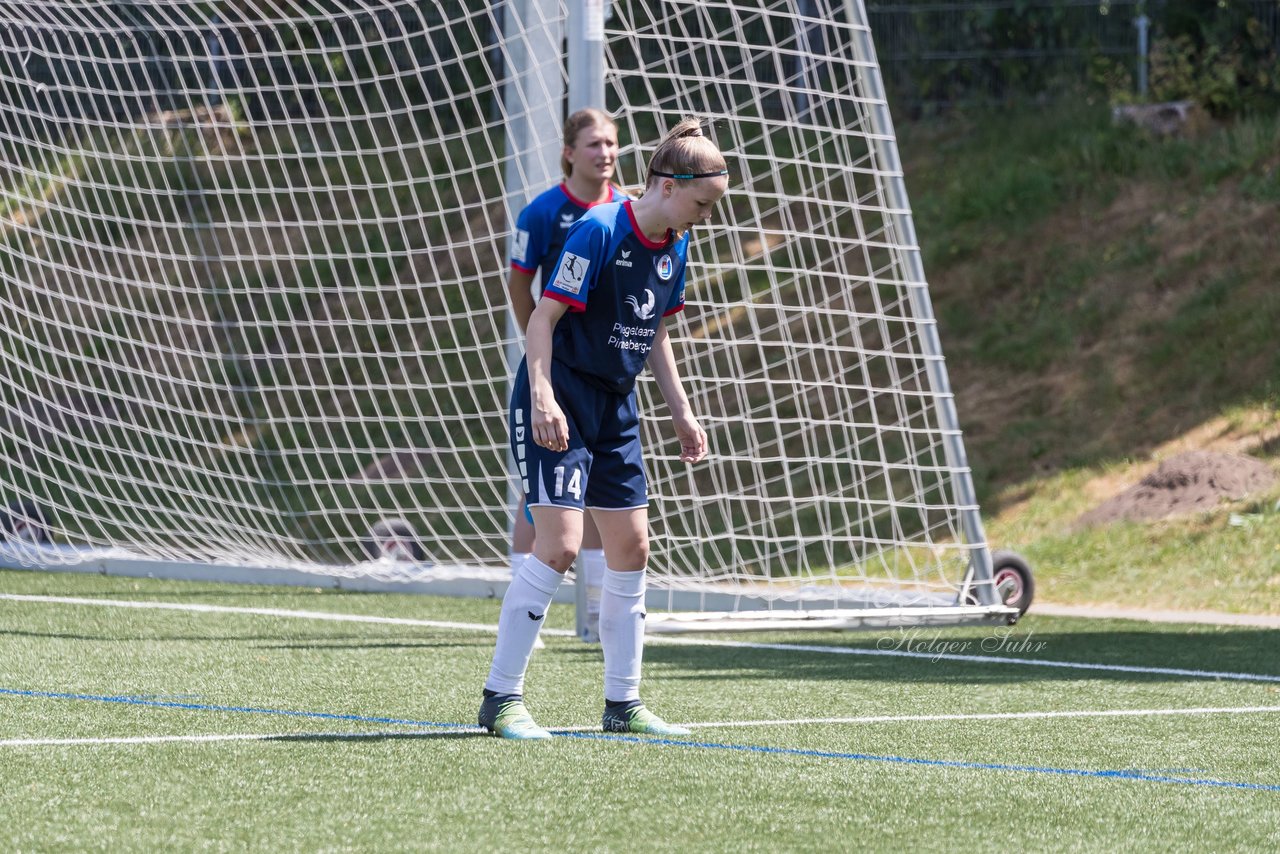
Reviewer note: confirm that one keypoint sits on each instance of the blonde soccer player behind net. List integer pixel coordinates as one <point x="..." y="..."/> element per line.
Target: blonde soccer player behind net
<point x="575" y="429"/>
<point x="588" y="160"/>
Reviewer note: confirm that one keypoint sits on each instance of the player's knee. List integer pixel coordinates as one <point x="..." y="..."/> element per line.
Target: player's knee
<point x="559" y="559"/>
<point x="636" y="553"/>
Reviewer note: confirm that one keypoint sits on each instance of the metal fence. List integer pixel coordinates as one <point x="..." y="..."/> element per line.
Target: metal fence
<point x="147" y="57"/>
<point x="159" y="56"/>
<point x="947" y="51"/>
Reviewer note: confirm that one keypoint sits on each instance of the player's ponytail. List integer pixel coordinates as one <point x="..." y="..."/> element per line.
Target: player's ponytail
<point x="686" y="154"/>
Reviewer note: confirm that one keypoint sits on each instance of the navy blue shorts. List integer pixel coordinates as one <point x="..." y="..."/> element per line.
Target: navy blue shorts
<point x="602" y="467"/>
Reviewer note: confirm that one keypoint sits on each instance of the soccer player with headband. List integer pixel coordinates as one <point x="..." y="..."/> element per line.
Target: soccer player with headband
<point x="588" y="160"/>
<point x="575" y="430"/>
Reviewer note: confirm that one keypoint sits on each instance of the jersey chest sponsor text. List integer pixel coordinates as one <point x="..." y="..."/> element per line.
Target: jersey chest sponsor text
<point x="637" y="339"/>
<point x="639" y="307"/>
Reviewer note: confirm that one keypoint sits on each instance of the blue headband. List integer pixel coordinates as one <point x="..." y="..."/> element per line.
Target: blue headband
<point x="685" y="176"/>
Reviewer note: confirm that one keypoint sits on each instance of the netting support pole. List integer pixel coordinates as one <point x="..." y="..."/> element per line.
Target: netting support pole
<point x="900" y="222"/>
<point x="586" y="54"/>
<point x="532" y="99"/>
<point x="585" y="28"/>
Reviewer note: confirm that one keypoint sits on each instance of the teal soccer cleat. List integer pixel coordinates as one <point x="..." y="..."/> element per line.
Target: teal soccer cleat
<point x="505" y="716"/>
<point x="635" y="718"/>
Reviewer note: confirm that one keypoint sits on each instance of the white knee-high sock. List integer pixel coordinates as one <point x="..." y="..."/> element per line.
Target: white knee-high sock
<point x="592" y="567"/>
<point x="517" y="561"/>
<point x="622" y="633"/>
<point x="523" y="608"/>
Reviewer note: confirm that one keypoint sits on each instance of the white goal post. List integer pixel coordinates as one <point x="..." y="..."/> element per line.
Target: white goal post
<point x="253" y="318"/>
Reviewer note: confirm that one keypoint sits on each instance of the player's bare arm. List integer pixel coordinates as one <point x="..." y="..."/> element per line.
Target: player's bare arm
<point x="693" y="439"/>
<point x="550" y="429"/>
<point x="520" y="291"/>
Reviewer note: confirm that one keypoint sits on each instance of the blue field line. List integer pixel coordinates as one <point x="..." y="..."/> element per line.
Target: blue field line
<point x="1122" y="774"/>
<point x="1125" y="774"/>
<point x="206" y="707"/>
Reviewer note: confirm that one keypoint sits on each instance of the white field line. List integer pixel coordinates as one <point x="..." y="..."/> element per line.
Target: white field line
<point x="267" y="612"/>
<point x="239" y="736"/>
<point x="996" y="716"/>
<point x="895" y="651"/>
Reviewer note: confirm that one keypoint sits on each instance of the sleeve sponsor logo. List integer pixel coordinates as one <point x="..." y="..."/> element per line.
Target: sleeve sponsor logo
<point x="572" y="273"/>
<point x="520" y="245"/>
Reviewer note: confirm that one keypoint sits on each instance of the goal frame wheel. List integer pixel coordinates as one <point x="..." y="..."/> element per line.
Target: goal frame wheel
<point x="395" y="540"/>
<point x="1014" y="580"/>
<point x="25" y="521"/>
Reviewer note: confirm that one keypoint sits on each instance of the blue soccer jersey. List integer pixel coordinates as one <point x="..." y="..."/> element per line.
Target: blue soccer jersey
<point x="542" y="226"/>
<point x="619" y="285"/>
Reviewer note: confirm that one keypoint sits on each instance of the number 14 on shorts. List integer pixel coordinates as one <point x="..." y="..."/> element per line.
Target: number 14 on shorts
<point x="574" y="486"/>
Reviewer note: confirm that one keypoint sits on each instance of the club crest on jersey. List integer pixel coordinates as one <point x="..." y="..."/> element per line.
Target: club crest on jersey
<point x="665" y="267"/>
<point x="571" y="273"/>
<point x="643" y="312"/>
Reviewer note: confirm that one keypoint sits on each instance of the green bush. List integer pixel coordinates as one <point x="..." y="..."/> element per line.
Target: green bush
<point x="1221" y="57"/>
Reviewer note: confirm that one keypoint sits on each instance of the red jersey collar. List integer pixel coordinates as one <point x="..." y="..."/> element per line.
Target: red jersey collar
<point x="644" y="241"/>
<point x="564" y="188"/>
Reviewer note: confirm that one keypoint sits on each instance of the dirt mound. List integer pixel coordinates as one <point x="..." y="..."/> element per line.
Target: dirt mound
<point x="1187" y="483"/>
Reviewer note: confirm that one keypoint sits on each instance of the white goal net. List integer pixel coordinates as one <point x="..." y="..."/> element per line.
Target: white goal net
<point x="253" y="293"/>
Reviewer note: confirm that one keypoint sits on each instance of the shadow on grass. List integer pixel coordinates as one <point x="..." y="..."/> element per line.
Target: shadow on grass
<point x="378" y="736"/>
<point x="1235" y="655"/>
<point x="114" y="587"/>
<point x="356" y="643"/>
<point x="293" y="641"/>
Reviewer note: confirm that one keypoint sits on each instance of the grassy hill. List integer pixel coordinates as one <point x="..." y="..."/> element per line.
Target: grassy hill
<point x="1107" y="299"/>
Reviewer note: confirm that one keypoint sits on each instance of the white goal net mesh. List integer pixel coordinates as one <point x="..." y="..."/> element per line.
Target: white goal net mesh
<point x="253" y="288"/>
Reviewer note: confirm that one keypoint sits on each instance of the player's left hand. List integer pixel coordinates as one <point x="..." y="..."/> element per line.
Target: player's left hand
<point x="693" y="439"/>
